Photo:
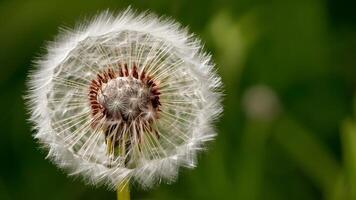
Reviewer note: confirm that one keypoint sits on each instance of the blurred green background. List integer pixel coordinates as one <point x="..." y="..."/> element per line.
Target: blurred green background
<point x="288" y="129"/>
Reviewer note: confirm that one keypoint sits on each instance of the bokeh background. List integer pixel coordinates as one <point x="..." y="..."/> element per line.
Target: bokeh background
<point x="288" y="129"/>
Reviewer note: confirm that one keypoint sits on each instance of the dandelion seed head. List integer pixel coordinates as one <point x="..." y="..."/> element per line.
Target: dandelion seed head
<point x="131" y="97"/>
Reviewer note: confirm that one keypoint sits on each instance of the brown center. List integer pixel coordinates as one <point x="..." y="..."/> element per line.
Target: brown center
<point x="123" y="96"/>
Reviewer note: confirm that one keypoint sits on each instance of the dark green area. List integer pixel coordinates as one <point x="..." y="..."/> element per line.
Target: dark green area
<point x="302" y="51"/>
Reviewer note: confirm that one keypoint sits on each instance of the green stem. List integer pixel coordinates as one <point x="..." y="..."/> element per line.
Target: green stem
<point x="312" y="155"/>
<point x="348" y="139"/>
<point x="123" y="191"/>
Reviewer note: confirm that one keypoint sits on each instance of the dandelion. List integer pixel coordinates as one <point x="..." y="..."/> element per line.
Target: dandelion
<point x="125" y="99"/>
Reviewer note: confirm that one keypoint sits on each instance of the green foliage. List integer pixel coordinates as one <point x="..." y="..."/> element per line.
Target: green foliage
<point x="304" y="51"/>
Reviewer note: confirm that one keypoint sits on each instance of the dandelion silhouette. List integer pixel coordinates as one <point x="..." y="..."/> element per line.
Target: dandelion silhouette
<point x="131" y="97"/>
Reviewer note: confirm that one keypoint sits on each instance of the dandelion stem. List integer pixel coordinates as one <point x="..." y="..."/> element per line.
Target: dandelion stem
<point x="123" y="191"/>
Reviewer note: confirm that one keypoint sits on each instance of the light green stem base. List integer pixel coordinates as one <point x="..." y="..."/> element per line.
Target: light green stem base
<point x="123" y="191"/>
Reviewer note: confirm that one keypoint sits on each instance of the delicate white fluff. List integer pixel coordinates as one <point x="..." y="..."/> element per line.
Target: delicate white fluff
<point x="189" y="87"/>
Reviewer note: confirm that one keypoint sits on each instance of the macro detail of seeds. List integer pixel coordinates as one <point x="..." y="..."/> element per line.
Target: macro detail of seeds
<point x="131" y="97"/>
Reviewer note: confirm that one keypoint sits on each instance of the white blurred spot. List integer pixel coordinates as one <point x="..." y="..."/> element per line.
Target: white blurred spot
<point x="260" y="103"/>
